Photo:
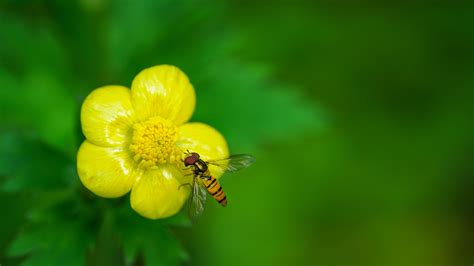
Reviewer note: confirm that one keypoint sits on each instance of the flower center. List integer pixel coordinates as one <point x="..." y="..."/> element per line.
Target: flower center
<point x="153" y="142"/>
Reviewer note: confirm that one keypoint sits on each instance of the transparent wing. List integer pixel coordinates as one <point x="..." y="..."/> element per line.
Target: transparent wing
<point x="234" y="162"/>
<point x="198" y="199"/>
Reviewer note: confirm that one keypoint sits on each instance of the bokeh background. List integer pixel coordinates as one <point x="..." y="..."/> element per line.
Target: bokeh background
<point x="360" y="115"/>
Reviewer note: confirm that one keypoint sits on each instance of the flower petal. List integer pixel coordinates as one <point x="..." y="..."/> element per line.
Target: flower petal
<point x="163" y="91"/>
<point x="107" y="116"/>
<point x="157" y="194"/>
<point x="205" y="140"/>
<point x="108" y="172"/>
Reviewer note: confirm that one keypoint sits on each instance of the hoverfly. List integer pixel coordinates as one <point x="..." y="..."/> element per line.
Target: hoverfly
<point x="203" y="181"/>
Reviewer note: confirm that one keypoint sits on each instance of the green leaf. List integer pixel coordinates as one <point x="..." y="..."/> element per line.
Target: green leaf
<point x="29" y="44"/>
<point x="180" y="219"/>
<point x="36" y="89"/>
<point x="60" y="230"/>
<point x="11" y="222"/>
<point x="140" y="32"/>
<point x="44" y="104"/>
<point x="28" y="164"/>
<point x="108" y="248"/>
<point x="151" y="238"/>
<point x="60" y="243"/>
<point x="248" y="108"/>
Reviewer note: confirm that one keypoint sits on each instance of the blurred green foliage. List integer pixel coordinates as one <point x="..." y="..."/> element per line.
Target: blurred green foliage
<point x="360" y="116"/>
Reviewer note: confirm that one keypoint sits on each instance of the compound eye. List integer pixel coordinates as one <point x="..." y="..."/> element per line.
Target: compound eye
<point x="189" y="160"/>
<point x="195" y="155"/>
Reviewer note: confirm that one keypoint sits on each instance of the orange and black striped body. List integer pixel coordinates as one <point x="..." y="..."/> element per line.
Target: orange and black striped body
<point x="215" y="189"/>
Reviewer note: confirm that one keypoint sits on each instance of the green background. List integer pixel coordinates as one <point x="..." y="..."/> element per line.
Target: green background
<point x="360" y="115"/>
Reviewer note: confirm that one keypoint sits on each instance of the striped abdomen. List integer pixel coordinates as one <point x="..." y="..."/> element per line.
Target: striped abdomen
<point x="216" y="191"/>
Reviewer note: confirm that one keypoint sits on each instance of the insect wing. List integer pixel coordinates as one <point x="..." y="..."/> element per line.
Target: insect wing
<point x="234" y="162"/>
<point x="198" y="199"/>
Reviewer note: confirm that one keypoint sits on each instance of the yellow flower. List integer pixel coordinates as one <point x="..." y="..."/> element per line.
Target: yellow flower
<point x="136" y="139"/>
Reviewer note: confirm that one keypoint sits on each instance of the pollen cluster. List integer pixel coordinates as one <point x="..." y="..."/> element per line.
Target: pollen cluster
<point x="153" y="142"/>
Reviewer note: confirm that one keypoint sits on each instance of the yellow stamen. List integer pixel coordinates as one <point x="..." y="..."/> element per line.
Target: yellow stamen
<point x="153" y="142"/>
